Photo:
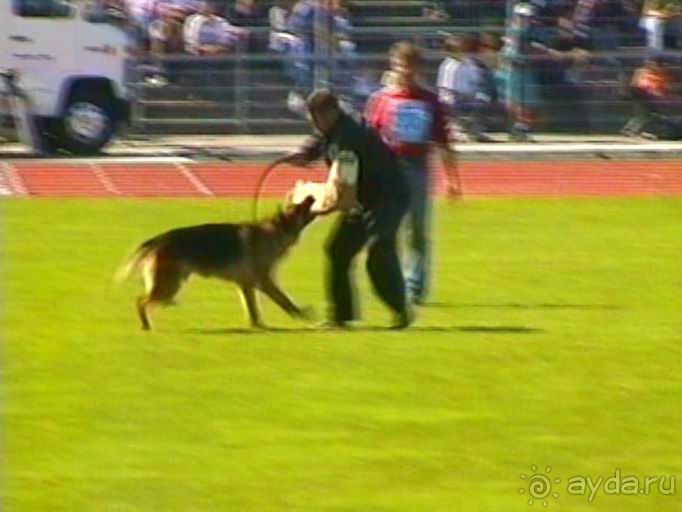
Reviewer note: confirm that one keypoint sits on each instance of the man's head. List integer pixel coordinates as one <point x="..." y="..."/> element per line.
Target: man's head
<point x="406" y="61"/>
<point x="323" y="110"/>
<point x="471" y="43"/>
<point x="491" y="41"/>
<point x="453" y="45"/>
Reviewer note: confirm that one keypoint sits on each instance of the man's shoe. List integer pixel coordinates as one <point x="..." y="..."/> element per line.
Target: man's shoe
<point x="402" y="320"/>
<point x="334" y="325"/>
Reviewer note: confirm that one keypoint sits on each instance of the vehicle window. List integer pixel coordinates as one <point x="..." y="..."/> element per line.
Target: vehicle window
<point x="42" y="8"/>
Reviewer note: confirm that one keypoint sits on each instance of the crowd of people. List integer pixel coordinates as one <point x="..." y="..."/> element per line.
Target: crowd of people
<point x="185" y="26"/>
<point x="534" y="60"/>
<point x="539" y="60"/>
<point x="222" y="27"/>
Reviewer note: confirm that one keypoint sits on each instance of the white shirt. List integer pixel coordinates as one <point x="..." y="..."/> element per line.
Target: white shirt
<point x="200" y="30"/>
<point x="446" y="79"/>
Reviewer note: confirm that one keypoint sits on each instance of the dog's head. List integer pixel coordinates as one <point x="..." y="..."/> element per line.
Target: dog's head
<point x="295" y="217"/>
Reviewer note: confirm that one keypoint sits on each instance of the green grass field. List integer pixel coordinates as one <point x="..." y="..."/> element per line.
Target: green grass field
<point x="555" y="339"/>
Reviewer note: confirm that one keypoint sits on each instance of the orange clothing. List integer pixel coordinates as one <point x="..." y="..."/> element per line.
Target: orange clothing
<point x="654" y="81"/>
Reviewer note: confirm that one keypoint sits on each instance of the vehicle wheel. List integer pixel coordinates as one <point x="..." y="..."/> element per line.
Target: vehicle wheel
<point x="88" y="124"/>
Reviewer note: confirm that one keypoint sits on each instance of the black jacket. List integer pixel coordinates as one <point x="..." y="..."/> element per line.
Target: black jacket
<point x="380" y="181"/>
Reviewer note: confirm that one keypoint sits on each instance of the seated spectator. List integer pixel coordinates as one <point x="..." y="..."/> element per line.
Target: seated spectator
<point x="445" y="81"/>
<point x="141" y="11"/>
<point x="653" y="93"/>
<point x="280" y="36"/>
<point x="524" y="43"/>
<point x="343" y="48"/>
<point x="206" y="33"/>
<point x="278" y="16"/>
<point x="165" y="35"/>
<point x="662" y="23"/>
<point x="175" y="9"/>
<point x="559" y="77"/>
<point x="474" y="90"/>
<point x="301" y="24"/>
<point x="301" y="20"/>
<point x="246" y="13"/>
<point x="489" y="53"/>
<point x="599" y="24"/>
<point x="293" y="27"/>
<point x="285" y="38"/>
<point x="141" y="15"/>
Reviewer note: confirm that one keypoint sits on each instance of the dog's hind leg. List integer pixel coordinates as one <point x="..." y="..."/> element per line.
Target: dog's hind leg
<point x="142" y="305"/>
<point x="162" y="281"/>
<point x="249" y="300"/>
<point x="143" y="301"/>
<point x="269" y="288"/>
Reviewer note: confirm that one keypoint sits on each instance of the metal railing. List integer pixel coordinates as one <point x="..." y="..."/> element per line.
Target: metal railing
<point x="248" y="92"/>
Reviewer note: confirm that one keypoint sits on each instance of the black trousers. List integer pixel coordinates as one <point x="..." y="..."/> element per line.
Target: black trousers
<point x="377" y="229"/>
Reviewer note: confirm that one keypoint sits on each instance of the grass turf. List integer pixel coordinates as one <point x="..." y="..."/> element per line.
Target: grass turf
<point x="554" y="339"/>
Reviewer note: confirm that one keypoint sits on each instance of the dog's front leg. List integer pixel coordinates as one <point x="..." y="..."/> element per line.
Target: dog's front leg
<point x="249" y="299"/>
<point x="269" y="288"/>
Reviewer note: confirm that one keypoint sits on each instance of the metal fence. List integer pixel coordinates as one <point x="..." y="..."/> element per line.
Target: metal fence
<point x="247" y="92"/>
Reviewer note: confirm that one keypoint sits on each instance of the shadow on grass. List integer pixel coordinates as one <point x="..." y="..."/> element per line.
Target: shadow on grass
<point x="501" y="329"/>
<point x="248" y="331"/>
<point x="481" y="329"/>
<point x="513" y="305"/>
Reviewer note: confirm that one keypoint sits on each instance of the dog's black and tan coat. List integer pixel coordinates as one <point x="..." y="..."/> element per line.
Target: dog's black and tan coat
<point x="244" y="253"/>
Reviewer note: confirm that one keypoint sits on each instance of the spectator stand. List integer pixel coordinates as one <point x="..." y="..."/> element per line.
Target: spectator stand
<point x="246" y="91"/>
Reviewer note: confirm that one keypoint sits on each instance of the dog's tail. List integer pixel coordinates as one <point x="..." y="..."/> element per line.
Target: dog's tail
<point x="133" y="262"/>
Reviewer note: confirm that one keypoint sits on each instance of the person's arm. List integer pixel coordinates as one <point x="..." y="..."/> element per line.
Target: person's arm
<point x="373" y="113"/>
<point x="309" y="151"/>
<point x="445" y="83"/>
<point x="448" y="157"/>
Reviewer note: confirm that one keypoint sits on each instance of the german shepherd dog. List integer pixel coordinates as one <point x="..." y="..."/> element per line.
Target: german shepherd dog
<point x="244" y="253"/>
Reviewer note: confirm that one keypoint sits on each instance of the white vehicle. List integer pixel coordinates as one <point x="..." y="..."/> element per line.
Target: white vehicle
<point x="70" y="67"/>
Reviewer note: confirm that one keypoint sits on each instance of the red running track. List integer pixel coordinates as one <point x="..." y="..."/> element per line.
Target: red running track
<point x="544" y="179"/>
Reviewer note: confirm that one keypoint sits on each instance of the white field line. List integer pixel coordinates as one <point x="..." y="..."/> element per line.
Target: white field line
<point x="194" y="179"/>
<point x="14" y="180"/>
<point x="104" y="179"/>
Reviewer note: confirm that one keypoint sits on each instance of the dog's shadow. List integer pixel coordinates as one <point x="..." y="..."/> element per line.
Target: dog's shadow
<point x="480" y="329"/>
<point x="220" y="331"/>
<point x="539" y="306"/>
<point x="472" y="329"/>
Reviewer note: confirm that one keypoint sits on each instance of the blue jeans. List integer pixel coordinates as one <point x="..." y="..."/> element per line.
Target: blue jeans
<point x="415" y="171"/>
<point x="298" y="65"/>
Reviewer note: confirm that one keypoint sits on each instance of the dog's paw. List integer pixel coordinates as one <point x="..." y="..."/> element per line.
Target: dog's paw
<point x="308" y="313"/>
<point x="258" y="326"/>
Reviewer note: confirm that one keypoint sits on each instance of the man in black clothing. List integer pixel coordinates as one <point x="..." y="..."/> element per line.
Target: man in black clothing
<point x="383" y="198"/>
